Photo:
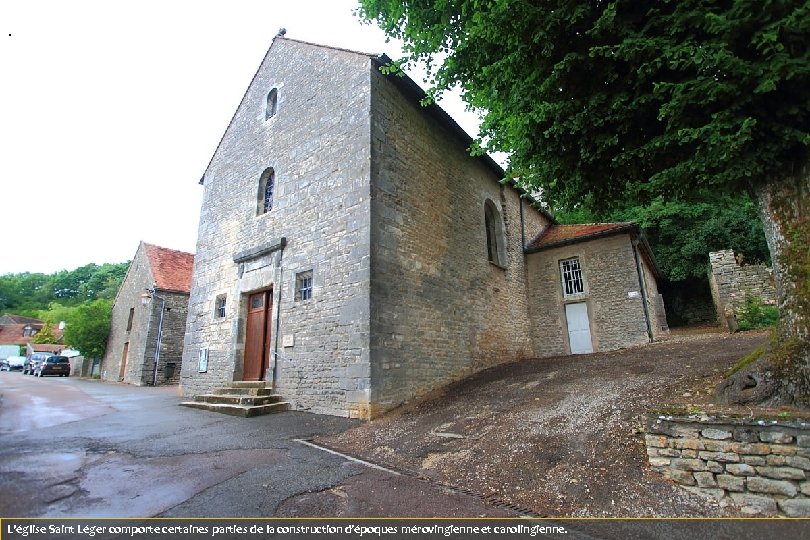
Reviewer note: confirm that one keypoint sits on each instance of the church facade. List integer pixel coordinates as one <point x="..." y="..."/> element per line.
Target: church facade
<point x="353" y="253"/>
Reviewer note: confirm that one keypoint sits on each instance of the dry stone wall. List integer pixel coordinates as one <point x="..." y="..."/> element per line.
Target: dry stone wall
<point x="761" y="466"/>
<point x="732" y="283"/>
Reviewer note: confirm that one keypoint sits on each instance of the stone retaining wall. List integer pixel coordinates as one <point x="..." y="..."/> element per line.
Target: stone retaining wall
<point x="731" y="283"/>
<point x="762" y="466"/>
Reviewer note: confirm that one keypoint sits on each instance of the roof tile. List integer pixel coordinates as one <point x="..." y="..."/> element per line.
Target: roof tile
<point x="556" y="235"/>
<point x="170" y="268"/>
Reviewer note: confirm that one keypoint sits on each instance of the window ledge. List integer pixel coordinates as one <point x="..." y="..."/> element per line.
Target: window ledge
<point x="497" y="265"/>
<point x="575" y="297"/>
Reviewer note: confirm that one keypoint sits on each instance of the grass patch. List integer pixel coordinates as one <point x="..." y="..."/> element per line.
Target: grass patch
<point x="748" y="359"/>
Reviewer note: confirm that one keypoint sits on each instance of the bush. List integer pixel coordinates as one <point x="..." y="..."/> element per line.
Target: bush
<point x="757" y="314"/>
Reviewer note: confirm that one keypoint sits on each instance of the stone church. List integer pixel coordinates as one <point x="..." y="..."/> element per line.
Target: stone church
<point x="352" y="251"/>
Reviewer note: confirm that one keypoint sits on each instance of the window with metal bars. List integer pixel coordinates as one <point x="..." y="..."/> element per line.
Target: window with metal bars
<point x="303" y="286"/>
<point x="219" y="306"/>
<point x="572" y="277"/>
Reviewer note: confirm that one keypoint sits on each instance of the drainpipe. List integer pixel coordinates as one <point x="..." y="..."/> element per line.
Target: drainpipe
<point x="278" y="310"/>
<point x="643" y="289"/>
<point x="522" y="225"/>
<point x="159" y="338"/>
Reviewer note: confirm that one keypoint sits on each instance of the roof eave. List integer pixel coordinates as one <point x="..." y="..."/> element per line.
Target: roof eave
<point x="631" y="228"/>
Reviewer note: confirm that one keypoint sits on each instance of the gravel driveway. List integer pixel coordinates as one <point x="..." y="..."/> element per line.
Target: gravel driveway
<point x="558" y="436"/>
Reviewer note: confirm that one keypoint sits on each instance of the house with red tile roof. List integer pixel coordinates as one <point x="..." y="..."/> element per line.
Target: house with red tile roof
<point x="145" y="346"/>
<point x="18" y="330"/>
<point x="354" y="255"/>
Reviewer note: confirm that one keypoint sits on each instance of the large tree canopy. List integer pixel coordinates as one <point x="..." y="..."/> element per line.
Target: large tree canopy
<point x="622" y="98"/>
<point x="630" y="100"/>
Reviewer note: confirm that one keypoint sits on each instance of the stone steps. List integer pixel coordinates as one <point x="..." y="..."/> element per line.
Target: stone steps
<point x="241" y="398"/>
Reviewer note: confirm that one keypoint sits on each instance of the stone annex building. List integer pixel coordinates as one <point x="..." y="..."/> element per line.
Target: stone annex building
<point x="145" y="345"/>
<point x="351" y="250"/>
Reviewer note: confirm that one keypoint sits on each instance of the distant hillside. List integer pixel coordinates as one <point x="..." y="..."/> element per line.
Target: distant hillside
<point x="31" y="294"/>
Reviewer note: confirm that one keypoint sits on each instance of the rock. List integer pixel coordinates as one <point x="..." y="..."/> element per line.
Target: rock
<point x="753" y="384"/>
<point x="775" y="437"/>
<point x="777" y="487"/>
<point x="731" y="483"/>
<point x="795" y="508"/>
<point x="705" y="480"/>
<point x="741" y="469"/>
<point x="719" y="434"/>
<point x="754" y="504"/>
<point x="782" y="473"/>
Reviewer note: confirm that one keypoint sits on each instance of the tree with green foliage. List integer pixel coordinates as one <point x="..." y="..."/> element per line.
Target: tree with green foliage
<point x="682" y="233"/>
<point x="29" y="294"/>
<point x="88" y="327"/>
<point x="45" y="335"/>
<point x="629" y="100"/>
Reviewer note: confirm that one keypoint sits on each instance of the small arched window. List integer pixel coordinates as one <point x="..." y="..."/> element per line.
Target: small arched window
<point x="493" y="223"/>
<point x="272" y="104"/>
<point x="267" y="185"/>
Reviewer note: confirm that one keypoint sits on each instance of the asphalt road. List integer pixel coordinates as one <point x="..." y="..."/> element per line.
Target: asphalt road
<point x="71" y="447"/>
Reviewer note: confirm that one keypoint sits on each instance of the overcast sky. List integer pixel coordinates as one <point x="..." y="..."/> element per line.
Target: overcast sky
<point x="110" y="111"/>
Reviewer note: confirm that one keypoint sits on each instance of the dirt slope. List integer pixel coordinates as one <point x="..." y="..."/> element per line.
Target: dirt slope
<point x="557" y="435"/>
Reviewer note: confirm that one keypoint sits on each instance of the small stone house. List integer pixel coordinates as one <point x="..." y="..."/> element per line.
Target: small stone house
<point x="351" y="251"/>
<point x="145" y="345"/>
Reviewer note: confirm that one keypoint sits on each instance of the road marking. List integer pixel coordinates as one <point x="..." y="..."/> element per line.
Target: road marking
<point x="350" y="458"/>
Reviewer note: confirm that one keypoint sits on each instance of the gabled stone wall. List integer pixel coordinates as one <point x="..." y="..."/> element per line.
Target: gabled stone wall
<point x="762" y="466"/>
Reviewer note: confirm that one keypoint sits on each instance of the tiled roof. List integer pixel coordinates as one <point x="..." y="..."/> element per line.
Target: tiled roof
<point x="170" y="268"/>
<point x="10" y="318"/>
<point x="559" y="235"/>
<point x="47" y="348"/>
<point x="12" y="334"/>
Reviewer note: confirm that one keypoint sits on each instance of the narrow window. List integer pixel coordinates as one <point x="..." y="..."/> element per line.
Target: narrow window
<point x="572" y="277"/>
<point x="303" y="286"/>
<point x="131" y="316"/>
<point x="267" y="186"/>
<point x="493" y="224"/>
<point x="219" y="306"/>
<point x="272" y="104"/>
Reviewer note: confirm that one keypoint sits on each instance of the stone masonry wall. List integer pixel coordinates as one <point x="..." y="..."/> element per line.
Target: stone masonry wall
<point x="142" y="337"/>
<point x="762" y="466"/>
<point x="610" y="275"/>
<point x="439" y="309"/>
<point x="137" y="280"/>
<point x="318" y="144"/>
<point x="171" y="338"/>
<point x="731" y="283"/>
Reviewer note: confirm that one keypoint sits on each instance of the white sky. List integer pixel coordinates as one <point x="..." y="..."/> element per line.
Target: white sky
<point x="111" y="110"/>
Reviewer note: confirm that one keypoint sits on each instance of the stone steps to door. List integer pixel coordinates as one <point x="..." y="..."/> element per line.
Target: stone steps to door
<point x="241" y="398"/>
<point x="245" y="411"/>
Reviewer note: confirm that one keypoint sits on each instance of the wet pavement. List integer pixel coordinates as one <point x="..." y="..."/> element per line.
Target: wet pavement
<point x="79" y="448"/>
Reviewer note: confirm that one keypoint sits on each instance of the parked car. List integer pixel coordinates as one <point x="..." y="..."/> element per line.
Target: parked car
<point x="12" y="363"/>
<point x="33" y="362"/>
<point x="54" y="365"/>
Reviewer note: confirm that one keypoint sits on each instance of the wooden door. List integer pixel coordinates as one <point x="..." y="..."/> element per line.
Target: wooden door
<point x="258" y="334"/>
<point x="124" y="357"/>
<point x="579" y="328"/>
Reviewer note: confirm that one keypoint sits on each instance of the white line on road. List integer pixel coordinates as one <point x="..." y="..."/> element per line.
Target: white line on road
<point x="350" y="458"/>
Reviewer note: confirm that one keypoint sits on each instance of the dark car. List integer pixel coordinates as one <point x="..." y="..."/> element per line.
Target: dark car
<point x="54" y="365"/>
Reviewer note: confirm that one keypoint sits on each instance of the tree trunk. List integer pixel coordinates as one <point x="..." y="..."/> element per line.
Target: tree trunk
<point x="783" y="207"/>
